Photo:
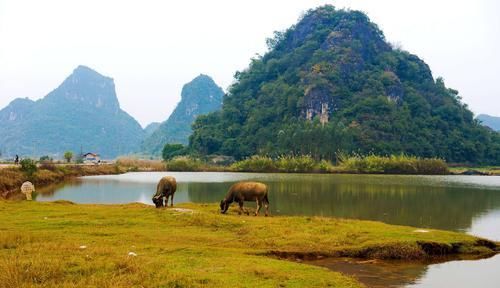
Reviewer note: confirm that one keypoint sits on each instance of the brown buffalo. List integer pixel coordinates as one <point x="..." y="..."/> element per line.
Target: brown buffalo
<point x="246" y="191"/>
<point x="165" y="188"/>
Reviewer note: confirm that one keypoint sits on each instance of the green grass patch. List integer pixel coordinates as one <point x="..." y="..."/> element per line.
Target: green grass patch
<point x="64" y="245"/>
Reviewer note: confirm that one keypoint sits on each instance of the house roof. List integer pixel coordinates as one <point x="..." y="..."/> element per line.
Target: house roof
<point x="91" y="154"/>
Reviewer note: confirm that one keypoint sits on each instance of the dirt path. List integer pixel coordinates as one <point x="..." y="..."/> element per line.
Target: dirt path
<point x="6" y="165"/>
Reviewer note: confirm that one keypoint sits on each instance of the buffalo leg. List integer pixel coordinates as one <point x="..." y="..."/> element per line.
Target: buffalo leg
<point x="241" y="207"/>
<point x="171" y="200"/>
<point x="266" y="204"/>
<point x="259" y="205"/>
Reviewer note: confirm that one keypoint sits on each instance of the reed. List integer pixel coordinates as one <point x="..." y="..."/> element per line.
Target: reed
<point x="255" y="163"/>
<point x="136" y="164"/>
<point x="394" y="164"/>
<point x="185" y="163"/>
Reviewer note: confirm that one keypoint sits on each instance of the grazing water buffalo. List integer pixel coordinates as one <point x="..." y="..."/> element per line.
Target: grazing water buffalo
<point x="165" y="188"/>
<point x="246" y="191"/>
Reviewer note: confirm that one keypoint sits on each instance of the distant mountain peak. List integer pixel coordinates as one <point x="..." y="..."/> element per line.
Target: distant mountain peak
<point x="83" y="112"/>
<point x="86" y="86"/>
<point x="195" y="87"/>
<point x="490" y="121"/>
<point x="200" y="96"/>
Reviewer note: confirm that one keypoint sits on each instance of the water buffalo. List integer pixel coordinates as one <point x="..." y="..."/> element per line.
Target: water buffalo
<point x="246" y="191"/>
<point x="165" y="188"/>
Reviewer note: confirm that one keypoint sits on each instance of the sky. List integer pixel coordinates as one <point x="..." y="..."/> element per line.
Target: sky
<point x="152" y="48"/>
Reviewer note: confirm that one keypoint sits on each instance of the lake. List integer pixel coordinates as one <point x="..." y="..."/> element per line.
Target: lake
<point x="468" y="204"/>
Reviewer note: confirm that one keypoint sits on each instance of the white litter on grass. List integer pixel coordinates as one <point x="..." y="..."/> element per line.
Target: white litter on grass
<point x="133" y="254"/>
<point x="182" y="210"/>
<point x="421" y="231"/>
<point x="45" y="218"/>
<point x="83" y="247"/>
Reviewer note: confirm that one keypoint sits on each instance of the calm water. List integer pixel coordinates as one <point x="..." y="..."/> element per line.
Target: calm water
<point x="461" y="203"/>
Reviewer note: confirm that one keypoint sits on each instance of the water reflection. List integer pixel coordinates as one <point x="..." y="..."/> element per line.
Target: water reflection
<point x="376" y="273"/>
<point x="435" y="202"/>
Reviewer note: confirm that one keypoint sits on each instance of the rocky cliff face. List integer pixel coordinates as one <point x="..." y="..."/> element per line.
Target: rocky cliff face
<point x="82" y="113"/>
<point x="198" y="97"/>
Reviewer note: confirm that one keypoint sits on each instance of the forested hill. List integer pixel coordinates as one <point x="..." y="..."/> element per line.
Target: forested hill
<point x="198" y="97"/>
<point x="332" y="83"/>
<point x="83" y="113"/>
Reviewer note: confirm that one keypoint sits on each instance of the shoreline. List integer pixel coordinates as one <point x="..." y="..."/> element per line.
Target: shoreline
<point x="14" y="177"/>
<point x="11" y="178"/>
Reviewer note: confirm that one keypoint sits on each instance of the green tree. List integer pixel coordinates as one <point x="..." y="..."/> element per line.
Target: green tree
<point x="68" y="155"/>
<point x="172" y="150"/>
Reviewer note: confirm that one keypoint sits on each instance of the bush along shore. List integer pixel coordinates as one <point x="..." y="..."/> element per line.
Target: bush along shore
<point x="355" y="164"/>
<point x="44" y="174"/>
<point x="192" y="245"/>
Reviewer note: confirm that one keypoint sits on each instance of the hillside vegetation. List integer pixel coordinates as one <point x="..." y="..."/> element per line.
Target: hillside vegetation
<point x="332" y="83"/>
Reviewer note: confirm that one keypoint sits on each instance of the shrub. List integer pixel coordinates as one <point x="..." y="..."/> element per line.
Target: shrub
<point x="172" y="150"/>
<point x="394" y="164"/>
<point x="28" y="166"/>
<point x="46" y="159"/>
<point x="303" y="163"/>
<point x="184" y="163"/>
<point x="48" y="166"/>
<point x="325" y="166"/>
<point x="255" y="163"/>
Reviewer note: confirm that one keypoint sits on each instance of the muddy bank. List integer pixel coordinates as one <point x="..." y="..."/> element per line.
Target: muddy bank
<point x="11" y="178"/>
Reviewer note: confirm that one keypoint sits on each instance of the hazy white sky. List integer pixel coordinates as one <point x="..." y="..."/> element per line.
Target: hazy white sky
<point x="152" y="48"/>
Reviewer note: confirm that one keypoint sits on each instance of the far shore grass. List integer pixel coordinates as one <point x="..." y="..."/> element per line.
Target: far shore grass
<point x="192" y="245"/>
<point x="12" y="177"/>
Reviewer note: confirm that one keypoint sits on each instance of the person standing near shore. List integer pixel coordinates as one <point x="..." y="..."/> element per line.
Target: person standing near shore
<point x="16" y="161"/>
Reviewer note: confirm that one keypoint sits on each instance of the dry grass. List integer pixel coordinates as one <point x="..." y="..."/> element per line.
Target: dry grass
<point x="136" y="164"/>
<point x="12" y="178"/>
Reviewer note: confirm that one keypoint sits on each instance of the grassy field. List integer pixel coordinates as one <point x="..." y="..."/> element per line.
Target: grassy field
<point x="67" y="245"/>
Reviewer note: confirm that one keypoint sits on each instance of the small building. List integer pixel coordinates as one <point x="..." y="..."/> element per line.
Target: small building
<point x="91" y="158"/>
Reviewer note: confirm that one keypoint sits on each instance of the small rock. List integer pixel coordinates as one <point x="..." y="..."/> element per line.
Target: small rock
<point x="133" y="254"/>
<point x="45" y="218"/>
<point x="83" y="247"/>
<point x="182" y="210"/>
<point x="421" y="231"/>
